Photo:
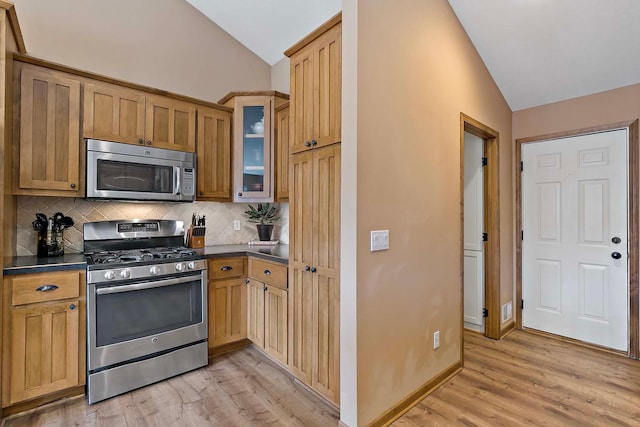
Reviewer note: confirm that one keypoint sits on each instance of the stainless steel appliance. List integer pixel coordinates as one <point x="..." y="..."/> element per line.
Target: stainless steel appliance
<point x="125" y="171"/>
<point x="146" y="305"/>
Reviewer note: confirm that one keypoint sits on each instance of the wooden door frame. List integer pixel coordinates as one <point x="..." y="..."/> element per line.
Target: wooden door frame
<point x="633" y="220"/>
<point x="491" y="224"/>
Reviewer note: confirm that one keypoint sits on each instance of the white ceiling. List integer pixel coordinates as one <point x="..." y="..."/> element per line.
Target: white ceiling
<point x="543" y="51"/>
<point x="538" y="51"/>
<point x="268" y="27"/>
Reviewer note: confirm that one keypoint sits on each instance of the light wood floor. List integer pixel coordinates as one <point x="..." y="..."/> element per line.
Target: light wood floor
<point x="242" y="388"/>
<point x="527" y="379"/>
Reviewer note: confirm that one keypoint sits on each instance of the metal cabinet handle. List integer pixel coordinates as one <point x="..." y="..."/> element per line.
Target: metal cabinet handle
<point x="313" y="269"/>
<point x="314" y="142"/>
<point x="307" y="268"/>
<point x="226" y="268"/>
<point x="72" y="307"/>
<point x="267" y="272"/>
<point x="616" y="255"/>
<point x="149" y="142"/>
<point x="247" y="281"/>
<point x="264" y="289"/>
<point x="46" y="288"/>
<point x="73" y="185"/>
<point x="307" y="144"/>
<point x="141" y="141"/>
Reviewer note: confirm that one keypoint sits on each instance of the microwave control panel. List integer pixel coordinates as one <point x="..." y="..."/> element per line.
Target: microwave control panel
<point x="187" y="181"/>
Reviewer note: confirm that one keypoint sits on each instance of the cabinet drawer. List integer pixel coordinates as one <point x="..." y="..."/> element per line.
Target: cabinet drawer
<point x="225" y="268"/>
<point x="42" y="287"/>
<point x="268" y="272"/>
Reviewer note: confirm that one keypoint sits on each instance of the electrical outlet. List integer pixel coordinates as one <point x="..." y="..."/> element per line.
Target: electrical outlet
<point x="236" y="224"/>
<point x="436" y="339"/>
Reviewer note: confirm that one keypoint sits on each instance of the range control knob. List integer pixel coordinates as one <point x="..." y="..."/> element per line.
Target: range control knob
<point x="154" y="270"/>
<point x="179" y="266"/>
<point x="192" y="265"/>
<point x="109" y="275"/>
<point x="126" y="273"/>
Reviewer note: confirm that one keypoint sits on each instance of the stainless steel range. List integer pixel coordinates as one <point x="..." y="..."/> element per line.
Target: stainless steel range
<point x="146" y="305"/>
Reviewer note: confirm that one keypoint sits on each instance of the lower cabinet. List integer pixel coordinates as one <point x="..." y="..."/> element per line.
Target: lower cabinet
<point x="267" y="303"/>
<point x="43" y="335"/>
<point x="227" y="297"/>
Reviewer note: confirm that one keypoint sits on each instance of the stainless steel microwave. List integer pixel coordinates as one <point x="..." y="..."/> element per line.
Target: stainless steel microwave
<point x="126" y="171"/>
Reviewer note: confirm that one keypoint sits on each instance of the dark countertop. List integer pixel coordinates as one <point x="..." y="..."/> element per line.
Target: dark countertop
<point x="33" y="264"/>
<point x="278" y="253"/>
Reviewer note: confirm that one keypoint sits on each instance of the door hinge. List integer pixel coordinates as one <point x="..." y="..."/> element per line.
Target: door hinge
<point x="521" y="166"/>
<point x="484" y="161"/>
<point x="485" y="237"/>
<point x="521" y="304"/>
<point x="485" y="312"/>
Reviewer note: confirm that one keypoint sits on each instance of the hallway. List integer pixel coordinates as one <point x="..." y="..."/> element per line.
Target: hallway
<point x="527" y="379"/>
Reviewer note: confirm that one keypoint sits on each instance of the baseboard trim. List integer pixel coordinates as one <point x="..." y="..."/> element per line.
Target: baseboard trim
<point x="400" y="408"/>
<point x="42" y="402"/>
<point x="226" y="348"/>
<point x="507" y="329"/>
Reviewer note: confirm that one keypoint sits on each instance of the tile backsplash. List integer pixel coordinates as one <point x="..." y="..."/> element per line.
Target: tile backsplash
<point x="220" y="217"/>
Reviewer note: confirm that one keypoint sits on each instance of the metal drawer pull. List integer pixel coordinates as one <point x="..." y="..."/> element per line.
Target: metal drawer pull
<point x="72" y="307"/>
<point x="226" y="268"/>
<point x="46" y="288"/>
<point x="267" y="272"/>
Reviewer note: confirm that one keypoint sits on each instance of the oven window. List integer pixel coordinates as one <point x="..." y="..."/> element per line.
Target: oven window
<point x="138" y="177"/>
<point x="129" y="315"/>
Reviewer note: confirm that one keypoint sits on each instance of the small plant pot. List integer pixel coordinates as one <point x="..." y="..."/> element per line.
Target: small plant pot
<point x="264" y="231"/>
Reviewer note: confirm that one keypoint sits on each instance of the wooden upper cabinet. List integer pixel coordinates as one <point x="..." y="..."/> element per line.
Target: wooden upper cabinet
<point x="301" y="100"/>
<point x="213" y="150"/>
<point x="113" y="113"/>
<point x="316" y="87"/>
<point x="49" y="144"/>
<point x="170" y="123"/>
<point x="116" y="113"/>
<point x="282" y="153"/>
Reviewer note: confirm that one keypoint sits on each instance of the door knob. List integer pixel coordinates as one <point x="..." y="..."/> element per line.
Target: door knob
<point x="616" y="255"/>
<point x="616" y="240"/>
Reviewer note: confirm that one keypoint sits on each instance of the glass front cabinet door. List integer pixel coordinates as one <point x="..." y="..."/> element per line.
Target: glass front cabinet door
<point x="252" y="149"/>
<point x="253" y="144"/>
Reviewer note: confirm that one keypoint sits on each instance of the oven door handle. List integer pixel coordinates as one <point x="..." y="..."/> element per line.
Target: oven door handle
<point x="146" y="285"/>
<point x="176" y="189"/>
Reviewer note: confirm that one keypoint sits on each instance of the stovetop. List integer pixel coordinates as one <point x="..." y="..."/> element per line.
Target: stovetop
<point x="118" y="258"/>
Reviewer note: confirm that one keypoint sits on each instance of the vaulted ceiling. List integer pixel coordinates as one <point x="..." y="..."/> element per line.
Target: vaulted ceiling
<point x="538" y="51"/>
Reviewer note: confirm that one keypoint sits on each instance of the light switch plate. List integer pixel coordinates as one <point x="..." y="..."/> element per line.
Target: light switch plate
<point x="236" y="225"/>
<point x="379" y="240"/>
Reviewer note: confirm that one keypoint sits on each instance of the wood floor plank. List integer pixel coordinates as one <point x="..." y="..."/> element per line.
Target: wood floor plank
<point x="528" y="379"/>
<point x="242" y="388"/>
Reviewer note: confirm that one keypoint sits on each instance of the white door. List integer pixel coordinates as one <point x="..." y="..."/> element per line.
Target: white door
<point x="574" y="249"/>
<point x="473" y="229"/>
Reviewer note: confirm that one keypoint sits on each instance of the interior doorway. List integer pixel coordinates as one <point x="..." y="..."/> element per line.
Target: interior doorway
<point x="480" y="224"/>
<point x="473" y="231"/>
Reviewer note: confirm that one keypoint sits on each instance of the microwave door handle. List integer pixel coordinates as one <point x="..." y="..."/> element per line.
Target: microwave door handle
<point x="176" y="188"/>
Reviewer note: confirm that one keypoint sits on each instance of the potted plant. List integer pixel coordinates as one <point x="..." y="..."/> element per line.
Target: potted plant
<point x="265" y="214"/>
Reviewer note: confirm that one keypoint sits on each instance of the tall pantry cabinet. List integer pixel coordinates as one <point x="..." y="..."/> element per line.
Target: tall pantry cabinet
<point x="314" y="210"/>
